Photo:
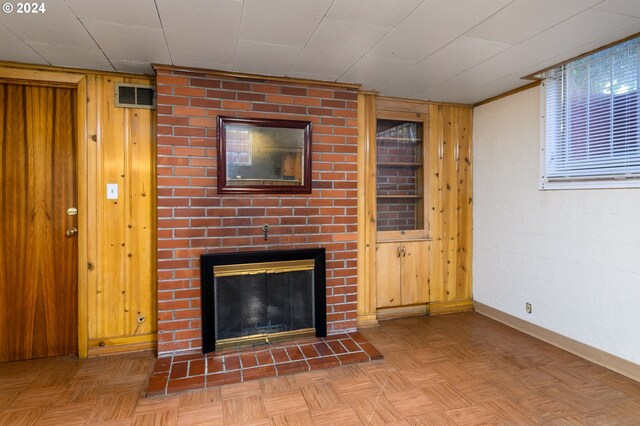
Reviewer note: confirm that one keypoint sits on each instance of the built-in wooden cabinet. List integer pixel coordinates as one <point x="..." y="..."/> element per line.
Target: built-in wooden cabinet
<point x="402" y="233"/>
<point x="401" y="273"/>
<point x="414" y="208"/>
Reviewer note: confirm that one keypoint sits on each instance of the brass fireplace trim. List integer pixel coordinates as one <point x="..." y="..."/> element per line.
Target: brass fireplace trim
<point x="264" y="338"/>
<point x="263" y="268"/>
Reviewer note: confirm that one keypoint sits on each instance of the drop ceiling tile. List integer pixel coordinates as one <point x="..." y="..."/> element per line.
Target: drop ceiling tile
<point x="313" y="76"/>
<point x="455" y="95"/>
<point x="371" y="71"/>
<point x="138" y="13"/>
<point x="57" y="26"/>
<point x="282" y="21"/>
<point x="577" y="35"/>
<point x="498" y="87"/>
<point x="383" y="12"/>
<point x="460" y="90"/>
<point x="134" y="67"/>
<point x="75" y="57"/>
<point x="207" y="65"/>
<point x="500" y="65"/>
<point x="461" y="54"/>
<point x="573" y="35"/>
<point x="433" y="25"/>
<point x="403" y="85"/>
<point x="15" y="50"/>
<point x="624" y="32"/>
<point x="525" y="18"/>
<point x="265" y="58"/>
<point x="457" y="87"/>
<point x="624" y="7"/>
<point x="126" y="43"/>
<point x="489" y="79"/>
<point x="201" y="31"/>
<point x="337" y="45"/>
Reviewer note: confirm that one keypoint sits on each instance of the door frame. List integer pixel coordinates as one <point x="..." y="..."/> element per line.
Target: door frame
<point x="14" y="75"/>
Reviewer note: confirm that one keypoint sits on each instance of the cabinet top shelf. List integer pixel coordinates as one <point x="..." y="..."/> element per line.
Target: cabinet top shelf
<point x="397" y="139"/>
<point x="401" y="196"/>
<point x="398" y="164"/>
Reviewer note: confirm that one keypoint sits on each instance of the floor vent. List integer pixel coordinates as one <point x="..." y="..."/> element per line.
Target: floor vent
<point x="135" y="96"/>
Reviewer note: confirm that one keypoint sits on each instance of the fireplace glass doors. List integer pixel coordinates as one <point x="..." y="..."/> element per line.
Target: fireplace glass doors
<point x="261" y="297"/>
<point x="258" y="302"/>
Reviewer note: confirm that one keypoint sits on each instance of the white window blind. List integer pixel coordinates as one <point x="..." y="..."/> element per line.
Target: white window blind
<point x="591" y="118"/>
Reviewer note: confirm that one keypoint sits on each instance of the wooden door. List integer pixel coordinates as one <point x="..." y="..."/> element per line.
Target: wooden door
<point x="38" y="261"/>
<point x="388" y="274"/>
<point x="415" y="285"/>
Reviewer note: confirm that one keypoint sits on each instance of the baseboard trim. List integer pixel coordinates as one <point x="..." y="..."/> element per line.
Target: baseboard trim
<point x="118" y="345"/>
<point x="597" y="356"/>
<point x="440" y="308"/>
<point x="368" y="320"/>
<point x="401" y="311"/>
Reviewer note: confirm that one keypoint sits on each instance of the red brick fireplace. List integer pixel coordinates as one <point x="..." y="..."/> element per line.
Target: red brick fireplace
<point x="193" y="218"/>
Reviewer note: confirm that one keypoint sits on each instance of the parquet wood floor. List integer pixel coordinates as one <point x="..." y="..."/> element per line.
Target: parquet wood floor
<point x="461" y="369"/>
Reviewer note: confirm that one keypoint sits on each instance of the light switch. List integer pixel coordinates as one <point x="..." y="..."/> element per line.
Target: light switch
<point x="112" y="191"/>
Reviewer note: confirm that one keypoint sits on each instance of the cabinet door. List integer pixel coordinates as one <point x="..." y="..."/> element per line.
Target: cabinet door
<point x="388" y="275"/>
<point x="415" y="278"/>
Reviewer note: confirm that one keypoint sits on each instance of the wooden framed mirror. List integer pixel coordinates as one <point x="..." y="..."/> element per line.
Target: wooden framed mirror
<point x="263" y="155"/>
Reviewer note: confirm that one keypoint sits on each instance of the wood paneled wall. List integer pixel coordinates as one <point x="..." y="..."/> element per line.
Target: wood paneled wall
<point x="122" y="284"/>
<point x="450" y="207"/>
<point x="116" y="239"/>
<point x="449" y="204"/>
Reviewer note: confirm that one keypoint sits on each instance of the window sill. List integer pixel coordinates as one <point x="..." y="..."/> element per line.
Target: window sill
<point x="589" y="184"/>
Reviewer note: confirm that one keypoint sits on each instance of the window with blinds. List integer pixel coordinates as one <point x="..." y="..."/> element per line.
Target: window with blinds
<point x="591" y="132"/>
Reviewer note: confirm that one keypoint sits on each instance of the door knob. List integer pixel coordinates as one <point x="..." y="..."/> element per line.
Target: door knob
<point x="71" y="232"/>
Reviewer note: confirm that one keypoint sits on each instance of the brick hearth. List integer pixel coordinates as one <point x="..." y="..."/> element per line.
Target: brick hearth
<point x="197" y="371"/>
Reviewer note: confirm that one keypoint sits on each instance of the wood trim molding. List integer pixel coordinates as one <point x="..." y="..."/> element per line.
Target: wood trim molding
<point x="368" y="320"/>
<point x="52" y="70"/>
<point x="449" y="307"/>
<point x="366" y="293"/>
<point x="509" y="93"/>
<point x="82" y="160"/>
<point x="30" y="76"/>
<point x="402" y="311"/>
<point x="248" y="76"/>
<point x="597" y="356"/>
<point x="123" y="344"/>
<point x="384" y="100"/>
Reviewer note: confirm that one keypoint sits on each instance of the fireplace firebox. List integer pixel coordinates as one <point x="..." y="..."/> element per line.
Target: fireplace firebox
<point x="253" y="298"/>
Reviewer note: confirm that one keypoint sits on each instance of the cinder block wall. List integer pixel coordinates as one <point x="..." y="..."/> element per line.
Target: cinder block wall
<point x="193" y="218"/>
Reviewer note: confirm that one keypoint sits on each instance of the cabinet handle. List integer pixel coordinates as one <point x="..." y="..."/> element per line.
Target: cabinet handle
<point x="398" y="251"/>
<point x="404" y="252"/>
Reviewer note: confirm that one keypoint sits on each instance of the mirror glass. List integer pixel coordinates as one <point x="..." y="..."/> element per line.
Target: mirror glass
<point x="264" y="155"/>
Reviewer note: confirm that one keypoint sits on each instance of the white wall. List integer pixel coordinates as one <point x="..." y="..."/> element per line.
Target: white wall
<point x="573" y="254"/>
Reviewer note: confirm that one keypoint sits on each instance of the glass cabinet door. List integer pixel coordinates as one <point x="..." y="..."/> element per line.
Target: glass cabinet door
<point x="400" y="176"/>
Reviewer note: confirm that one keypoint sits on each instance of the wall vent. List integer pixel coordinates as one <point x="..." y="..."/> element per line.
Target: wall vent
<point x="135" y="96"/>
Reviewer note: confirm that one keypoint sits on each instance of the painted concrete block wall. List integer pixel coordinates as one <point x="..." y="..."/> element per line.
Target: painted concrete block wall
<point x="573" y="254"/>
